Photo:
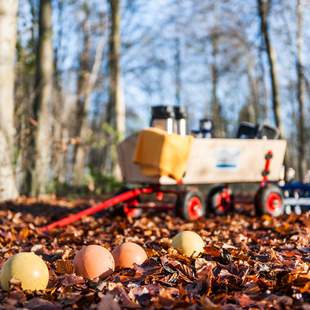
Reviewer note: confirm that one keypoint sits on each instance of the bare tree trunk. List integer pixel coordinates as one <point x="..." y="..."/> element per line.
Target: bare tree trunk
<point x="42" y="102"/>
<point x="254" y="102"/>
<point x="178" y="82"/>
<point x="59" y="124"/>
<point x="85" y="131"/>
<point x="219" y="122"/>
<point x="24" y="97"/>
<point x="81" y="109"/>
<point x="116" y="108"/>
<point x="302" y="163"/>
<point x="247" y="113"/>
<point x="307" y="85"/>
<point x="86" y="83"/>
<point x="263" y="11"/>
<point x="8" y="11"/>
<point x="262" y="89"/>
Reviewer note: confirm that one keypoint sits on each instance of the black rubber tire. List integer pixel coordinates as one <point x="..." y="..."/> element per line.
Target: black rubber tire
<point x="261" y="200"/>
<point x="183" y="205"/>
<point x="212" y="201"/>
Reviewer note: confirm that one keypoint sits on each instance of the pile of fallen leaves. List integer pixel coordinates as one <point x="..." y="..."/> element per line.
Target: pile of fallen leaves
<point x="248" y="262"/>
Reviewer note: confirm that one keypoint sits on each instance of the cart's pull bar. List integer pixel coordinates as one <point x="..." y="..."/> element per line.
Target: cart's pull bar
<point x="98" y="207"/>
<point x="266" y="170"/>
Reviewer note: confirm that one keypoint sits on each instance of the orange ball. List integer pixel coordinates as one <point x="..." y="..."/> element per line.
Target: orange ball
<point x="128" y="254"/>
<point x="93" y="261"/>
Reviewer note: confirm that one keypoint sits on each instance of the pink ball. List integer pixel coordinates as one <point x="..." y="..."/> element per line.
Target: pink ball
<point x="128" y="254"/>
<point x="93" y="261"/>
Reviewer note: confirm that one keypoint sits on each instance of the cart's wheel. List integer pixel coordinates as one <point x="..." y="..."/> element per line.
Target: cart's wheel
<point x="190" y="205"/>
<point x="220" y="200"/>
<point x="131" y="209"/>
<point x="269" y="199"/>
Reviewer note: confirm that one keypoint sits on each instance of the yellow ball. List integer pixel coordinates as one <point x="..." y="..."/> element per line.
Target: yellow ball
<point x="28" y="268"/>
<point x="188" y="243"/>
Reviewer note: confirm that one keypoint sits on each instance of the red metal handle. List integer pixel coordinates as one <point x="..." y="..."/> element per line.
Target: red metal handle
<point x="98" y="207"/>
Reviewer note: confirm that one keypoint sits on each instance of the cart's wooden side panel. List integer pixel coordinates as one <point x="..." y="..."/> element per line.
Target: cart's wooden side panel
<point x="233" y="160"/>
<point x="213" y="161"/>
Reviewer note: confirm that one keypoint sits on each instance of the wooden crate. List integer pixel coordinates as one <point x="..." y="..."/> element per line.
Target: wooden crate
<point x="213" y="161"/>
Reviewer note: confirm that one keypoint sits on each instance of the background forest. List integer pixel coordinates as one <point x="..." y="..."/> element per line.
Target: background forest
<point x="78" y="75"/>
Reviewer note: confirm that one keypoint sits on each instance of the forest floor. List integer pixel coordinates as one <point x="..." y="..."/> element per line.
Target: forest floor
<point x="248" y="262"/>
